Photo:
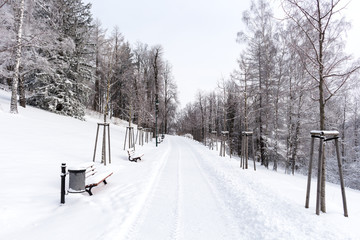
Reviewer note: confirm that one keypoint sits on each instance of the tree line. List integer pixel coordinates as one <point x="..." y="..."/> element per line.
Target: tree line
<point x="55" y="56"/>
<point x="293" y="76"/>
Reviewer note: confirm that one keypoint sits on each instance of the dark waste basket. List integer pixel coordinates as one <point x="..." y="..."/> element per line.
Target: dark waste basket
<point x="76" y="179"/>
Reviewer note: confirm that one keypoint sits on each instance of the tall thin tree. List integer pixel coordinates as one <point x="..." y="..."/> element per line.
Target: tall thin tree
<point x="14" y="89"/>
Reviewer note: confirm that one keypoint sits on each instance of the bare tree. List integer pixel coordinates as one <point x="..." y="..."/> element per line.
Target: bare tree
<point x="170" y="95"/>
<point x="99" y="41"/>
<point x="202" y="107"/>
<point x="324" y="59"/>
<point x="156" y="67"/>
<point x="14" y="89"/>
<point x="261" y="54"/>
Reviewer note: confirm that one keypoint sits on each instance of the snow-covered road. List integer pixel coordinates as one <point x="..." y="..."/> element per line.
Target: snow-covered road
<point x="184" y="203"/>
<point x="198" y="195"/>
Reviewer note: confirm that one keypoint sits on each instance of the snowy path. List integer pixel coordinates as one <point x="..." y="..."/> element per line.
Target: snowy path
<point x="197" y="195"/>
<point x="184" y="203"/>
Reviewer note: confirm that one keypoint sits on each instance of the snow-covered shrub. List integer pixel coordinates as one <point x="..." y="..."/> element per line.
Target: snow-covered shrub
<point x="56" y="94"/>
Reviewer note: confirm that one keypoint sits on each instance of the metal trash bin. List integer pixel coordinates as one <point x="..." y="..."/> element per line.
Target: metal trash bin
<point x="76" y="180"/>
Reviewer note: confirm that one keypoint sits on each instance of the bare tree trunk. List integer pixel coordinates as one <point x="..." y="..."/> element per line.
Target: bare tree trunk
<point x="137" y="102"/>
<point x="97" y="100"/>
<point x="343" y="130"/>
<point x="14" y="89"/>
<point x="290" y="128"/>
<point x="202" y="118"/>
<point x="260" y="119"/>
<point x="224" y="109"/>
<point x="22" y="97"/>
<point x="321" y="100"/>
<point x="295" y="143"/>
<point x="276" y="125"/>
<point x="166" y="100"/>
<point x="356" y="131"/>
<point x="156" y="66"/>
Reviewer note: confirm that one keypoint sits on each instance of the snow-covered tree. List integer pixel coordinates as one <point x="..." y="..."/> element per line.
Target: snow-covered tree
<point x="324" y="60"/>
<point x="14" y="87"/>
<point x="63" y="87"/>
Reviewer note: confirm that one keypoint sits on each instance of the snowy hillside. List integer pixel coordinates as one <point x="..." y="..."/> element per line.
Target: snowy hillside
<point x="181" y="190"/>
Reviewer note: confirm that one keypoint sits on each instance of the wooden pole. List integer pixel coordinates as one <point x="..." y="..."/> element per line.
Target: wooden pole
<point x="126" y="132"/>
<point x="216" y="143"/>
<point x="341" y="178"/>
<point x="242" y="151"/>
<point x="97" y="133"/>
<point x="228" y="140"/>
<point x="246" y="152"/>
<point x="131" y="138"/>
<point x="137" y="136"/>
<point x="309" y="173"/>
<point x="108" y="125"/>
<point x="103" y="153"/>
<point x="253" y="152"/>
<point x="318" y="193"/>
<point x="141" y="137"/>
<point x="221" y="144"/>
<point x="130" y="133"/>
<point x="324" y="136"/>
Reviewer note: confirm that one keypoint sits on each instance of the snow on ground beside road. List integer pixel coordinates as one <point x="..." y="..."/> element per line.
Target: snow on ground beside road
<point x="181" y="190"/>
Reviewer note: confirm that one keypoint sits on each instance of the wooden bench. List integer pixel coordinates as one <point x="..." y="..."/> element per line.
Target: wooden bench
<point x="93" y="177"/>
<point x="133" y="157"/>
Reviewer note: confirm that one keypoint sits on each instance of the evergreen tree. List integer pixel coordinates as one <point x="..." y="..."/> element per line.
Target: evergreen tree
<point x="63" y="87"/>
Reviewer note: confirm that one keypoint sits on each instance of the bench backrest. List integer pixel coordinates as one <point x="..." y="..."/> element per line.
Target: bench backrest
<point x="90" y="170"/>
<point x="131" y="151"/>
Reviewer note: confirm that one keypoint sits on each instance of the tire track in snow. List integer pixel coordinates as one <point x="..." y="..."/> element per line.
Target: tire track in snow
<point x="230" y="229"/>
<point x="183" y="203"/>
<point x="159" y="215"/>
<point x="178" y="221"/>
<point x="130" y="226"/>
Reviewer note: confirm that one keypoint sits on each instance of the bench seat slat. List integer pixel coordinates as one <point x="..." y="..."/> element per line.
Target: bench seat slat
<point x="137" y="156"/>
<point x="96" y="179"/>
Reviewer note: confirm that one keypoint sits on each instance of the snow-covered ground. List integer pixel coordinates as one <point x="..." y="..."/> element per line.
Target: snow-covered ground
<point x="181" y="190"/>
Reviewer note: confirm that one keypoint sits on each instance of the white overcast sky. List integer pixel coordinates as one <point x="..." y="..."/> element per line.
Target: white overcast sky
<point x="198" y="36"/>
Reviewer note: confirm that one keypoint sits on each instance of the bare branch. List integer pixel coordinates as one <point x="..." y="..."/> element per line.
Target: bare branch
<point x="346" y="77"/>
<point x="3" y="3"/>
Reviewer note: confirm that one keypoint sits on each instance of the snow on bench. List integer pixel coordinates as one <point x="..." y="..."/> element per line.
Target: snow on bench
<point x="133" y="157"/>
<point x="95" y="179"/>
<point x="93" y="176"/>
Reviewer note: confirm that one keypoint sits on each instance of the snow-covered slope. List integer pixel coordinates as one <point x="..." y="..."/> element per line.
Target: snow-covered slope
<point x="181" y="190"/>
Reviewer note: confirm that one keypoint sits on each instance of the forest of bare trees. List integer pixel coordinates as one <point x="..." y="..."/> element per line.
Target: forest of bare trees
<point x="293" y="76"/>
